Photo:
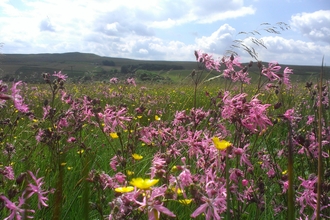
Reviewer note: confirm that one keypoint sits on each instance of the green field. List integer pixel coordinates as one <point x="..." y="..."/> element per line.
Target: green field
<point x="175" y="146"/>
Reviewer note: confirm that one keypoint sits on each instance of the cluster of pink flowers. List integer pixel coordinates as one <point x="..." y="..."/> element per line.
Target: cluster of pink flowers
<point x="34" y="187"/>
<point x="252" y="115"/>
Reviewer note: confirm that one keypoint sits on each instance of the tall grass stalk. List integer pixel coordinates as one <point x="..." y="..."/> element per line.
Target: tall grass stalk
<point x="320" y="165"/>
<point x="290" y="176"/>
<point x="227" y="185"/>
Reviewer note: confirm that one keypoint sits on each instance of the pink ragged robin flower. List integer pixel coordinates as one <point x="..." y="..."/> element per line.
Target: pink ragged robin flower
<point x="16" y="211"/>
<point x="36" y="188"/>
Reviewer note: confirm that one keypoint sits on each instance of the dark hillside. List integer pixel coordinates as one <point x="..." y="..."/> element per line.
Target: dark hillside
<point x="88" y="67"/>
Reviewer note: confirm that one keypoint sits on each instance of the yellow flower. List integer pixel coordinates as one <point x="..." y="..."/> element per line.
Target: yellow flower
<point x="143" y="183"/>
<point x="157" y="118"/>
<point x="129" y="173"/>
<point x="284" y="172"/>
<point x="178" y="190"/>
<point x="185" y="201"/>
<point x="139" y="116"/>
<point x="114" y="135"/>
<point x="174" y="168"/>
<point x="70" y="168"/>
<point x="63" y="164"/>
<point x="220" y="144"/>
<point x="124" y="189"/>
<point x="137" y="156"/>
<point x="80" y="151"/>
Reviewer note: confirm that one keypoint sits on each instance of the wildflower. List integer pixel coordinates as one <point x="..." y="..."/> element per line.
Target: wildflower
<point x="143" y="183"/>
<point x="174" y="169"/>
<point x="16" y="211"/>
<point x="36" y="189"/>
<point x="114" y="135"/>
<point x="214" y="202"/>
<point x="207" y="60"/>
<point x="291" y="115"/>
<point x="80" y="151"/>
<point x="114" y="80"/>
<point x="60" y="76"/>
<point x="113" y="117"/>
<point x="271" y="71"/>
<point x="8" y="172"/>
<point x="310" y="120"/>
<point x="129" y="173"/>
<point x="185" y="201"/>
<point x="124" y="189"/>
<point x="220" y="144"/>
<point x="131" y="81"/>
<point x="152" y="205"/>
<point x="120" y="177"/>
<point x="17" y="98"/>
<point x="177" y="190"/>
<point x="286" y="75"/>
<point x="137" y="156"/>
<point x="157" y="118"/>
<point x="245" y="182"/>
<point x="71" y="140"/>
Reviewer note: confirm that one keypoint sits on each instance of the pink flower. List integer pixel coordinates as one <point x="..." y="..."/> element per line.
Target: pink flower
<point x="310" y="120"/>
<point x="114" y="80"/>
<point x="8" y="172"/>
<point x="17" y="212"/>
<point x="36" y="188"/>
<point x="114" y="117"/>
<point x="271" y="71"/>
<point x="152" y="205"/>
<point x="245" y="182"/>
<point x="286" y="75"/>
<point x="60" y="76"/>
<point x="207" y="60"/>
<point x="131" y="81"/>
<point x="215" y="202"/>
<point x="291" y="115"/>
<point x="17" y="98"/>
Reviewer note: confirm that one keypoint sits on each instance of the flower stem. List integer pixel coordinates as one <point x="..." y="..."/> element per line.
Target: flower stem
<point x="290" y="176"/>
<point x="319" y="165"/>
<point x="227" y="185"/>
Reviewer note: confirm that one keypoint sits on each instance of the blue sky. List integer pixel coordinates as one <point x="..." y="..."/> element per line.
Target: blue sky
<point x="166" y="29"/>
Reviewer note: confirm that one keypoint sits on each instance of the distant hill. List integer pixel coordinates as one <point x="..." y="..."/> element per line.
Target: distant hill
<point x="86" y="66"/>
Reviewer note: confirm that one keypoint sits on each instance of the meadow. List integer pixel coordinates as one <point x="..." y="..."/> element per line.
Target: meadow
<point x="213" y="145"/>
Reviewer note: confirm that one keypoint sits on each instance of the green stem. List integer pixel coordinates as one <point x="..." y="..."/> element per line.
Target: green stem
<point x="290" y="176"/>
<point x="319" y="165"/>
<point x="227" y="185"/>
<point x="59" y="194"/>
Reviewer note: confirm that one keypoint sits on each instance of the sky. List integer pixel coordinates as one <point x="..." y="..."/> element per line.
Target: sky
<point x="168" y="29"/>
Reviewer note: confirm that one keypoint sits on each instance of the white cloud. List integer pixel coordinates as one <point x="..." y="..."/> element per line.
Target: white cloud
<point x="143" y="51"/>
<point x="290" y="51"/>
<point x="313" y="25"/>
<point x="218" y="42"/>
<point x="45" y="25"/>
<point x="133" y="29"/>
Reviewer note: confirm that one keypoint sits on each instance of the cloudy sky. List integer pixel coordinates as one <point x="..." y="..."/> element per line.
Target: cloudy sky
<point x="167" y="29"/>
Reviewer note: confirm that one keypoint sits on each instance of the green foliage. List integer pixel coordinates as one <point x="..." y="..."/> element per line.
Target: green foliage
<point x="108" y="63"/>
